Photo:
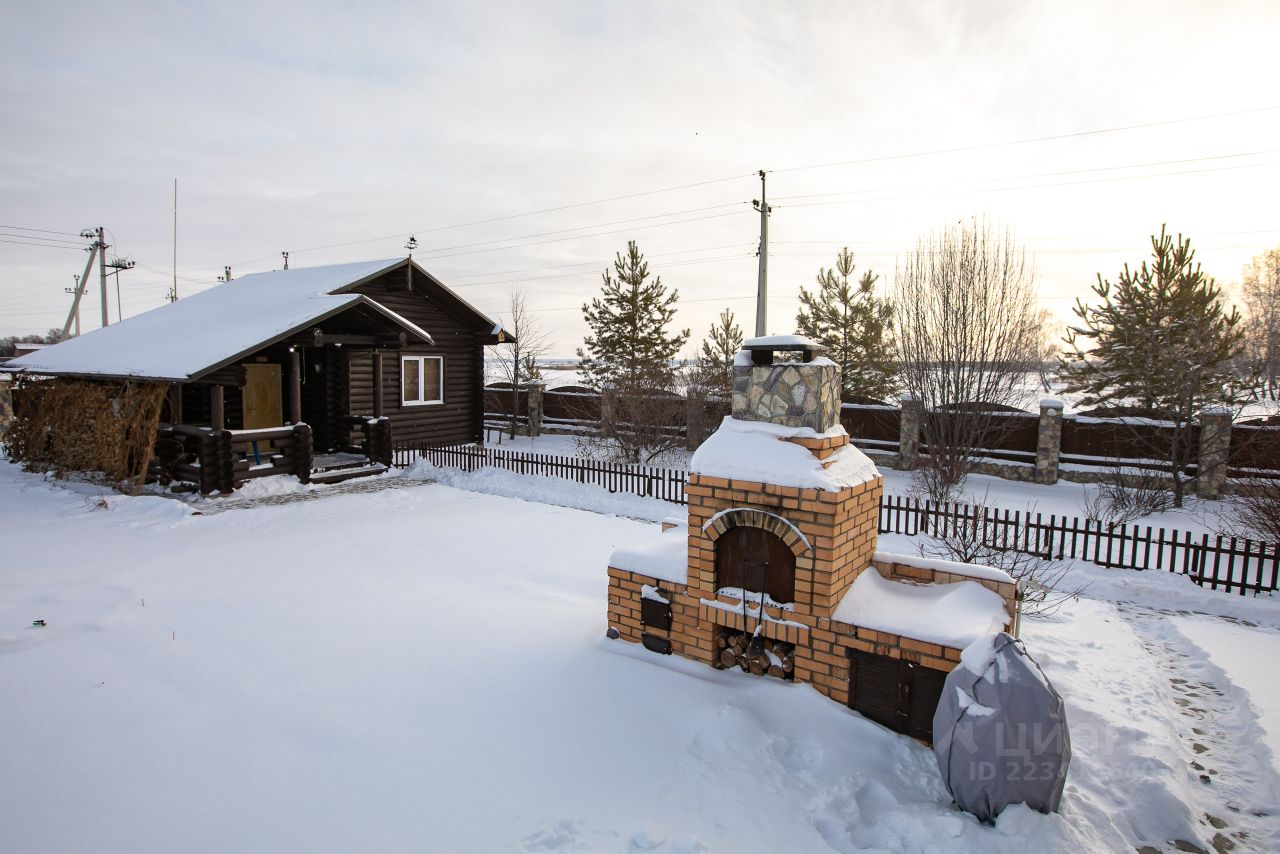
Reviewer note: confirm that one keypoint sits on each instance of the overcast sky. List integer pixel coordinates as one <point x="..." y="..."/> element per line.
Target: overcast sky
<point x="303" y="126"/>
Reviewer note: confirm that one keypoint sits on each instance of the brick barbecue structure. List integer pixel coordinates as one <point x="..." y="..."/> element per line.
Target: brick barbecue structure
<point x="776" y="571"/>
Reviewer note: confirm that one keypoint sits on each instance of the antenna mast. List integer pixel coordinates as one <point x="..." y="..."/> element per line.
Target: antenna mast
<point x="173" y="294"/>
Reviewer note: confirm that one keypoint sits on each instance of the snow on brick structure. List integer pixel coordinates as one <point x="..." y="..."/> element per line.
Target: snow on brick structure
<point x="776" y="571"/>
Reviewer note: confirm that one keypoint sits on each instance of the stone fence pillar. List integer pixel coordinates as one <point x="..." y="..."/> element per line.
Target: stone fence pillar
<point x="535" y="387"/>
<point x="608" y="411"/>
<point x="1049" y="441"/>
<point x="1215" y="451"/>
<point x="909" y="432"/>
<point x="694" y="419"/>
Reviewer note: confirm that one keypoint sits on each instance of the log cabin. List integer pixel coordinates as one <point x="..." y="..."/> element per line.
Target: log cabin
<point x="354" y="353"/>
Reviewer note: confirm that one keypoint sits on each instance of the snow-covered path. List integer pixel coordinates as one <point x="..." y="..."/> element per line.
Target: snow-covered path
<point x="424" y="670"/>
<point x="1219" y="731"/>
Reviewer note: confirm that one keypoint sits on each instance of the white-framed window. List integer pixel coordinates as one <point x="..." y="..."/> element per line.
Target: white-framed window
<point x="421" y="380"/>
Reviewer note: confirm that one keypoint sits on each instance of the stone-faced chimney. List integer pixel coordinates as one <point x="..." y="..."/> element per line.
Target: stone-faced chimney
<point x="790" y="393"/>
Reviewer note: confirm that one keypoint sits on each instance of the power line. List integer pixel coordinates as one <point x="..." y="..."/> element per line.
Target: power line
<point x="591" y="263"/>
<point x="582" y="227"/>
<point x="578" y="307"/>
<point x="43" y="230"/>
<point x="583" y="236"/>
<point x="433" y="229"/>
<point x="33" y="286"/>
<point x="1021" y="239"/>
<point x="79" y="243"/>
<point x="1038" y="186"/>
<point x="881" y="158"/>
<point x="169" y="274"/>
<point x="1046" y="174"/>
<point x="45" y="245"/>
<point x="1027" y="141"/>
<point x="593" y="273"/>
<point x="1031" y="251"/>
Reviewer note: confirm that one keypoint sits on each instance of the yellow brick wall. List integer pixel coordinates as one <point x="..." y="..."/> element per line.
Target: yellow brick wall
<point x="841" y="531"/>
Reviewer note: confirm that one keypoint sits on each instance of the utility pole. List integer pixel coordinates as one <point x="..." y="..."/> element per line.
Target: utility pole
<point x="102" y="276"/>
<point x="76" y="309"/>
<point x="81" y="281"/>
<point x="286" y="259"/>
<point x="762" y="284"/>
<point x="119" y="264"/>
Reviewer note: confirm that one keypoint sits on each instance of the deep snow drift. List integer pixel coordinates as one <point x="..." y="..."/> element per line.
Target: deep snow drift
<point x="424" y="670"/>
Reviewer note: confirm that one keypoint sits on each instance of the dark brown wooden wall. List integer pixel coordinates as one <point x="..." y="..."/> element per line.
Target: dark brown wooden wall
<point x="460" y="417"/>
<point x="323" y="393"/>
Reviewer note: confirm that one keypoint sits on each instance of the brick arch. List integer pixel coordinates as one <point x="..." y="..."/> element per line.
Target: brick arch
<point x="744" y="517"/>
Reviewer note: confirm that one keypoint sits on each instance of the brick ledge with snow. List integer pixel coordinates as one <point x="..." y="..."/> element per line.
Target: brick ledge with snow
<point x="770" y="572"/>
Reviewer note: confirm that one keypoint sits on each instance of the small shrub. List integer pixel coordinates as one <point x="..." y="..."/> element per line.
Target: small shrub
<point x="1126" y="495"/>
<point x="1257" y="511"/>
<point x="972" y="539"/>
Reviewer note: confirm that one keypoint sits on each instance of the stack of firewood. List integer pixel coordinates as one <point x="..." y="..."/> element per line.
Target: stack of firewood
<point x="774" y="658"/>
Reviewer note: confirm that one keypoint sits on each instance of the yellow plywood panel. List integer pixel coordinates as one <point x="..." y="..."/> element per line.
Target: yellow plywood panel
<point x="262" y="393"/>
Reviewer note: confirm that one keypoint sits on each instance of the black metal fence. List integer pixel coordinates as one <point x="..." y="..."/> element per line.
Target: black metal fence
<point x="1232" y="564"/>
<point x="651" y="481"/>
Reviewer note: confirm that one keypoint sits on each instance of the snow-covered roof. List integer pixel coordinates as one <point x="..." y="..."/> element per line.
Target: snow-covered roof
<point x="211" y="328"/>
<point x="953" y="615"/>
<point x="755" y="451"/>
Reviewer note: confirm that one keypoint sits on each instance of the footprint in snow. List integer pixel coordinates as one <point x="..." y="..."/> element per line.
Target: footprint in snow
<point x="648" y="837"/>
<point x="562" y="836"/>
<point x="875" y="801"/>
<point x="797" y="754"/>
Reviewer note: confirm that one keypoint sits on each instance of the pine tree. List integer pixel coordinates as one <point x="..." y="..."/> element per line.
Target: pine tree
<point x="853" y="324"/>
<point x="529" y="367"/>
<point x="723" y="341"/>
<point x="629" y="346"/>
<point x="1161" y="340"/>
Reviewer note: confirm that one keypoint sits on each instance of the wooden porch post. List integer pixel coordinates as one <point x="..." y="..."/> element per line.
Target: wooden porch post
<point x="295" y="386"/>
<point x="217" y="412"/>
<point x="175" y="402"/>
<point x="377" y="383"/>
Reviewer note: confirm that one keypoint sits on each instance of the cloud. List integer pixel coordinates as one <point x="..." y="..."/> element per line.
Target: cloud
<point x="303" y="125"/>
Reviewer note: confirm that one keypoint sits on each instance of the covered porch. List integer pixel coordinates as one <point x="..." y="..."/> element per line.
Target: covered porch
<point x="285" y="408"/>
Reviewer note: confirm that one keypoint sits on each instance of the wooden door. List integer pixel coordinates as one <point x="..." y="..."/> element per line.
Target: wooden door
<point x="262" y="394"/>
<point x="756" y="560"/>
<point x="896" y="693"/>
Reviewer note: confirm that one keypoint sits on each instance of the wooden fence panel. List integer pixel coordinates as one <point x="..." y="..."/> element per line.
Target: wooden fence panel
<point x="1252" y="449"/>
<point x="1103" y="442"/>
<point x="571" y="404"/>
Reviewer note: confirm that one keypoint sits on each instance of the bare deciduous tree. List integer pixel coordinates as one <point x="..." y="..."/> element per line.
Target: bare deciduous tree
<point x="517" y="361"/>
<point x="1260" y="289"/>
<point x="968" y="332"/>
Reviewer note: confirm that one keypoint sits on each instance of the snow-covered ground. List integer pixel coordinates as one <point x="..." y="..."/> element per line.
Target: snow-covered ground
<point x="424" y="669"/>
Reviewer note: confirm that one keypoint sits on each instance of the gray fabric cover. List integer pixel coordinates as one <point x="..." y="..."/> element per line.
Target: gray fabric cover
<point x="1001" y="737"/>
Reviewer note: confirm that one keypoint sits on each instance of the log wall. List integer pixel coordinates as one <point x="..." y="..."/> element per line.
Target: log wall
<point x="460" y="417"/>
